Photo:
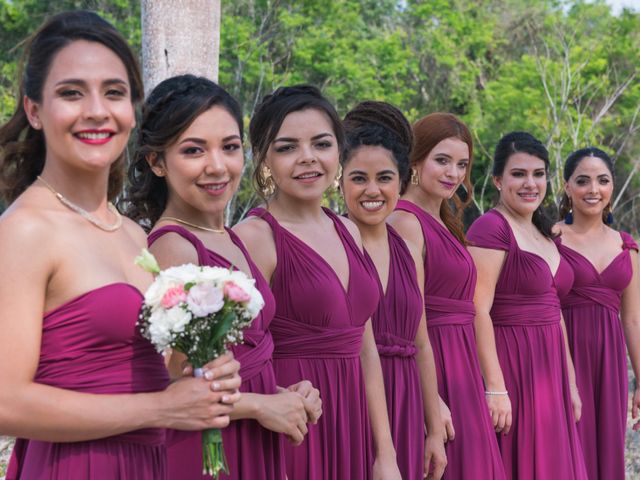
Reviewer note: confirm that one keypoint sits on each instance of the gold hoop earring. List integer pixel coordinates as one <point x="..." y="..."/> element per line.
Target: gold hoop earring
<point x="415" y="179"/>
<point x="268" y="186"/>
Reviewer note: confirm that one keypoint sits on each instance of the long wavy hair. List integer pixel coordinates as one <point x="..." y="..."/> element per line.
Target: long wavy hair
<point x="23" y="148"/>
<point x="427" y="133"/>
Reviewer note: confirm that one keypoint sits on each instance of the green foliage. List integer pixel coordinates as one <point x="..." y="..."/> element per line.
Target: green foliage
<point x="565" y="70"/>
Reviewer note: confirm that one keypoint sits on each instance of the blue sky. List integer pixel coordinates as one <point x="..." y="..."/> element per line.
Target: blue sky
<point x="619" y="4"/>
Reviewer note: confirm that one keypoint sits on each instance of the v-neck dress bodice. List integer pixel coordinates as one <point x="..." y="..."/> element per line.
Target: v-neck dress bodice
<point x="543" y="443"/>
<point x="317" y="332"/>
<point x="449" y="285"/>
<point x="596" y="339"/>
<point x="395" y="324"/>
<point x="256" y="370"/>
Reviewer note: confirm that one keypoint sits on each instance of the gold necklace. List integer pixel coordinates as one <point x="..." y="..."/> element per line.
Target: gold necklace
<point x="184" y="222"/>
<point x="84" y="214"/>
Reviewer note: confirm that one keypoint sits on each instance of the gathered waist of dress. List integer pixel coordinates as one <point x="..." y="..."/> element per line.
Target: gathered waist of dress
<point x="589" y="295"/>
<point x="295" y="339"/>
<point x="390" y="345"/>
<point x="254" y="354"/>
<point x="104" y="372"/>
<point x="525" y="310"/>
<point x="442" y="311"/>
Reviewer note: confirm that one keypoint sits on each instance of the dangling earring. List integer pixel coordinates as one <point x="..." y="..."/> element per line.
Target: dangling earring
<point x="268" y="185"/>
<point x="608" y="218"/>
<point x="336" y="182"/>
<point x="568" y="218"/>
<point x="415" y="179"/>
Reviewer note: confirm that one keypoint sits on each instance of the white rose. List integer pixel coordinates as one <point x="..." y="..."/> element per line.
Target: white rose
<point x="255" y="304"/>
<point x="159" y="330"/>
<point x="213" y="274"/>
<point x="182" y="274"/>
<point x="178" y="318"/>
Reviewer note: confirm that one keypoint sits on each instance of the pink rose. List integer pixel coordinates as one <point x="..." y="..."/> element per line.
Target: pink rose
<point x="235" y="293"/>
<point x="173" y="297"/>
<point x="204" y="299"/>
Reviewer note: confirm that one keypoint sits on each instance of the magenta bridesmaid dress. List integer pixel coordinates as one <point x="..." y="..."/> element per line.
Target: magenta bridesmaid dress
<point x="90" y="344"/>
<point x="543" y="443"/>
<point x="252" y="451"/>
<point x="317" y="331"/>
<point x="592" y="314"/>
<point x="395" y="324"/>
<point x="450" y="280"/>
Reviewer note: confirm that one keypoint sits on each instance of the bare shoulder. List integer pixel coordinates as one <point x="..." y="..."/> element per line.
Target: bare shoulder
<point x="257" y="236"/>
<point x="172" y="249"/>
<point x="408" y="227"/>
<point x="27" y="232"/>
<point x="135" y="231"/>
<point x="254" y="233"/>
<point x="353" y="230"/>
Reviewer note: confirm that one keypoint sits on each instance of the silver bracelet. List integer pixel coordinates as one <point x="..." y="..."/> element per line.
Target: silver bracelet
<point x="489" y="392"/>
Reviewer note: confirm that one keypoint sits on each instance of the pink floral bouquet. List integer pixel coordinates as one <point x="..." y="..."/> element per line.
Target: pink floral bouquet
<point x="199" y="311"/>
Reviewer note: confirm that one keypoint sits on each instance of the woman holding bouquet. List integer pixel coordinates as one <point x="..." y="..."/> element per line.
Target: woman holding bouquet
<point x="375" y="167"/>
<point x="86" y="395"/>
<point x="324" y="290"/>
<point x="187" y="166"/>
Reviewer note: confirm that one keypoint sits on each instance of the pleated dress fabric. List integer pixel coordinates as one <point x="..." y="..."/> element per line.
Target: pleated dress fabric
<point x="317" y="332"/>
<point x="543" y="443"/>
<point x="251" y="450"/>
<point x="592" y="314"/>
<point x="395" y="324"/>
<point x="450" y="279"/>
<point x="91" y="344"/>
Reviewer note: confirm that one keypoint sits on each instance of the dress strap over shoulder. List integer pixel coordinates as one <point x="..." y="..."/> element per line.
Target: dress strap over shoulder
<point x="628" y="242"/>
<point x="491" y="231"/>
<point x="344" y="232"/>
<point x="184" y="233"/>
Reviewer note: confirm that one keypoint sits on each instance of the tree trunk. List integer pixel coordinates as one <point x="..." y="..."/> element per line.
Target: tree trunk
<point x="179" y="36"/>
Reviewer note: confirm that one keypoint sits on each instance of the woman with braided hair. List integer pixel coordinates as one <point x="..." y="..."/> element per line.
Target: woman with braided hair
<point x="375" y="165"/>
<point x="324" y="290"/>
<point x="441" y="163"/>
<point x="187" y="166"/>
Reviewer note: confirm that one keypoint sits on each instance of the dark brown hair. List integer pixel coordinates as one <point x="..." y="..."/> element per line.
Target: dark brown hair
<point x="271" y="112"/>
<point x="169" y="110"/>
<point x="427" y="133"/>
<point x="524" y="142"/>
<point x="379" y="124"/>
<point x="23" y="148"/>
<point x="570" y="165"/>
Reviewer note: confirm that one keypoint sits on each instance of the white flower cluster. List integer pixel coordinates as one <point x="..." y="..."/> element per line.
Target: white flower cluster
<point x="189" y="307"/>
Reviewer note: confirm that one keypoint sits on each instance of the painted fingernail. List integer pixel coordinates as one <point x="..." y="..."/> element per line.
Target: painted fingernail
<point x="215" y="386"/>
<point x="225" y="398"/>
<point x="208" y="375"/>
